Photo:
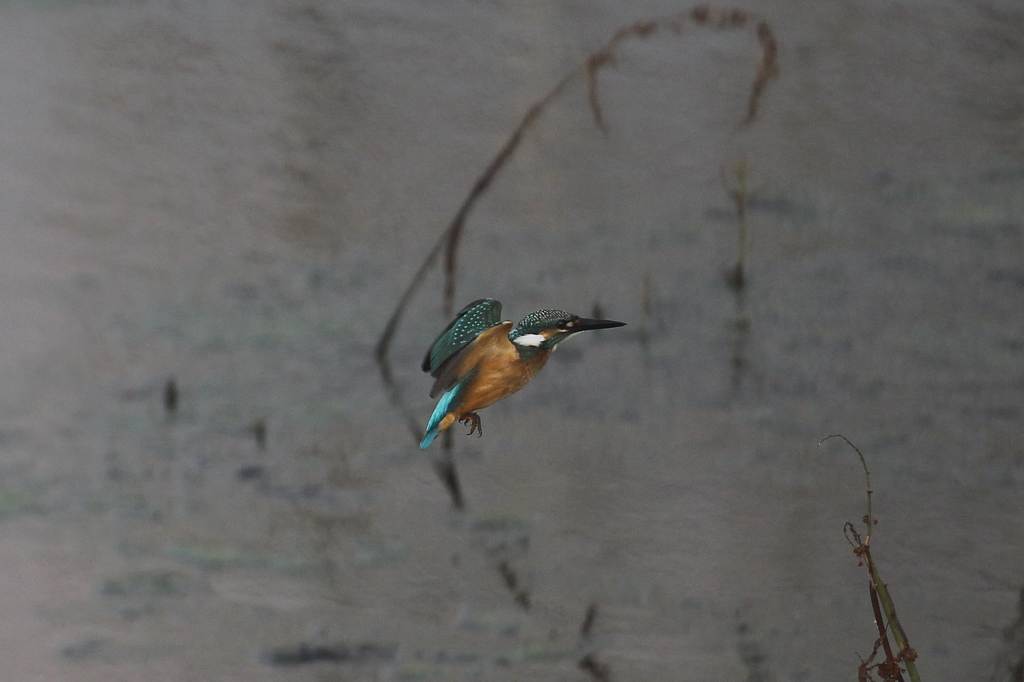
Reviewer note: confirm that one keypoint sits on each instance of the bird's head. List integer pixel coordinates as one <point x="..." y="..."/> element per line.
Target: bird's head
<point x="546" y="328"/>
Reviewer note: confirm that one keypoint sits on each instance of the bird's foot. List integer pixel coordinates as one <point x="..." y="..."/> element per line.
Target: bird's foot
<point x="473" y="419"/>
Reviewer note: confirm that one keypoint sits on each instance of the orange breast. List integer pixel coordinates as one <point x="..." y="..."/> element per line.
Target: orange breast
<point x="499" y="370"/>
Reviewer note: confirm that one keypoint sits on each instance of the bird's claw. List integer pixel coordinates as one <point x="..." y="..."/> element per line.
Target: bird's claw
<point x="473" y="419"/>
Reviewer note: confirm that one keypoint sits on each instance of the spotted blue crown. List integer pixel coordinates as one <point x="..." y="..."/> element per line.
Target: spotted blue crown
<point x="539" y="320"/>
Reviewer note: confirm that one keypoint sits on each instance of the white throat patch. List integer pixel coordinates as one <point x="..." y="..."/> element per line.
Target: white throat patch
<point x="533" y="340"/>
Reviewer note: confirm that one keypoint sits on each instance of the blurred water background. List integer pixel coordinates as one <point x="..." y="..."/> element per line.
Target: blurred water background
<point x="234" y="194"/>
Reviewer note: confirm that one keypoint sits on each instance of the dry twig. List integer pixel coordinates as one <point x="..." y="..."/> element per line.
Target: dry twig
<point x="589" y="69"/>
<point x="881" y="600"/>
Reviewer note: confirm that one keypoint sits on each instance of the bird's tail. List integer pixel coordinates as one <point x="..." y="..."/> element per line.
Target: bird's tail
<point x="437" y="418"/>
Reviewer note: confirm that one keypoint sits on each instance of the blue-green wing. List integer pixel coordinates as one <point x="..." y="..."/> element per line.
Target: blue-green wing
<point x="479" y="315"/>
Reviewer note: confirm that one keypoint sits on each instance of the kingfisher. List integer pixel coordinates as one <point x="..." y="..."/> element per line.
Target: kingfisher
<point x="478" y="359"/>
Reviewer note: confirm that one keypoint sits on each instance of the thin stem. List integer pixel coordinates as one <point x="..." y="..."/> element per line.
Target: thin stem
<point x="907" y="655"/>
<point x="869" y="519"/>
<point x="883" y="635"/>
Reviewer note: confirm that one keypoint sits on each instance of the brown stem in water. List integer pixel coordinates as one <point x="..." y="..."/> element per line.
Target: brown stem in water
<point x="589" y="662"/>
<point x="589" y="69"/>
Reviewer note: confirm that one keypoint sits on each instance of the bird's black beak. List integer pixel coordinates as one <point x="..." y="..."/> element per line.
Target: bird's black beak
<point x="584" y="324"/>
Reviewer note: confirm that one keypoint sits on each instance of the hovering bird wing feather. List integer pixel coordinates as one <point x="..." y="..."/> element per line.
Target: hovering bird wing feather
<point x="475" y="318"/>
<point x="444" y="406"/>
<point x="459" y="366"/>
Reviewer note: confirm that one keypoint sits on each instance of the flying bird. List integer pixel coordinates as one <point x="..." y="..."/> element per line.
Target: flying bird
<point x="478" y="359"/>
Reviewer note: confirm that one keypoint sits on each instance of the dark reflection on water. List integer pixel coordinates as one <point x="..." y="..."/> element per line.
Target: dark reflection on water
<point x="227" y="199"/>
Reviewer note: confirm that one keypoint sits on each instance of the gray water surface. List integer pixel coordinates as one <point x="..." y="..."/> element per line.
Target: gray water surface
<point x="234" y="194"/>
